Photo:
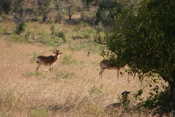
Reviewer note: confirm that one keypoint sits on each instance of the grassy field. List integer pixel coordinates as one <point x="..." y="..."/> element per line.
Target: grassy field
<point x="72" y="89"/>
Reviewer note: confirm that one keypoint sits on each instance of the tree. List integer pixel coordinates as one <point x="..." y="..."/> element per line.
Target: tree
<point x="8" y="6"/>
<point x="86" y="3"/>
<point x="107" y="11"/>
<point x="145" y="40"/>
<point x="5" y="6"/>
<point x="43" y="8"/>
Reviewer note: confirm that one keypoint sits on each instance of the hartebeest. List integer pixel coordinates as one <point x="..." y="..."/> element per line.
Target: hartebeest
<point x="47" y="60"/>
<point x="106" y="64"/>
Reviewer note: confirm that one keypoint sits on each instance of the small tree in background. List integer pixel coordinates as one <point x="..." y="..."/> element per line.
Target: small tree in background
<point x="107" y="11"/>
<point x="20" y="28"/>
<point x="5" y="6"/>
<point x="43" y="8"/>
<point x="9" y="6"/>
<point x="86" y="3"/>
<point x="18" y="15"/>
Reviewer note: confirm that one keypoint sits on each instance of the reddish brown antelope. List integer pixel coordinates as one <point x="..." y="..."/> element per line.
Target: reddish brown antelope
<point x="47" y="60"/>
<point x="106" y="64"/>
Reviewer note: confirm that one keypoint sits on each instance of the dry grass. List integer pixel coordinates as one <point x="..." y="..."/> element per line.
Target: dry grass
<point x="72" y="89"/>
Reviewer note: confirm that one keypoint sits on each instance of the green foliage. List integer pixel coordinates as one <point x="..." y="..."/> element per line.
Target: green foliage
<point x="145" y="41"/>
<point x="160" y="100"/>
<point x="20" y="28"/>
<point x="8" y="6"/>
<point x="60" y="35"/>
<point x="42" y="38"/>
<point x="107" y="11"/>
<point x="43" y="6"/>
<point x="57" y="34"/>
<point x="87" y="2"/>
<point x="5" y="6"/>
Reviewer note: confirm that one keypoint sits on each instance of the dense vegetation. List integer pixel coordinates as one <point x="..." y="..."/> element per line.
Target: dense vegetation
<point x="145" y="41"/>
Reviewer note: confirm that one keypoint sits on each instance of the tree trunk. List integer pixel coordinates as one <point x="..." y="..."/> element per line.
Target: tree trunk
<point x="44" y="18"/>
<point x="70" y="13"/>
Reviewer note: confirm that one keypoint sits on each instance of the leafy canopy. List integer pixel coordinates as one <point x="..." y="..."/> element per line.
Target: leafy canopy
<point x="145" y="40"/>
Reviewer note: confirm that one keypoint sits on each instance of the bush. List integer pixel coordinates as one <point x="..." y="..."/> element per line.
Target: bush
<point x="61" y="35"/>
<point x="145" y="41"/>
<point x="20" y="28"/>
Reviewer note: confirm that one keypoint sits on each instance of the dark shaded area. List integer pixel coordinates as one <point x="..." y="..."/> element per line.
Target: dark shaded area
<point x="145" y="41"/>
<point x="107" y="11"/>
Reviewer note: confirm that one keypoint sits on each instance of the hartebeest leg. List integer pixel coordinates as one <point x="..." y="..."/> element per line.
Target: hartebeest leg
<point x="134" y="75"/>
<point x="129" y="73"/>
<point x="37" y="68"/>
<point x="128" y="80"/>
<point x="101" y="72"/>
<point x="118" y="73"/>
<point x="51" y="68"/>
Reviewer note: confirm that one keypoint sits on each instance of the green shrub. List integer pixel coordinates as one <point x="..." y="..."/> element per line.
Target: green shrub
<point x="20" y="28"/>
<point x="60" y="35"/>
